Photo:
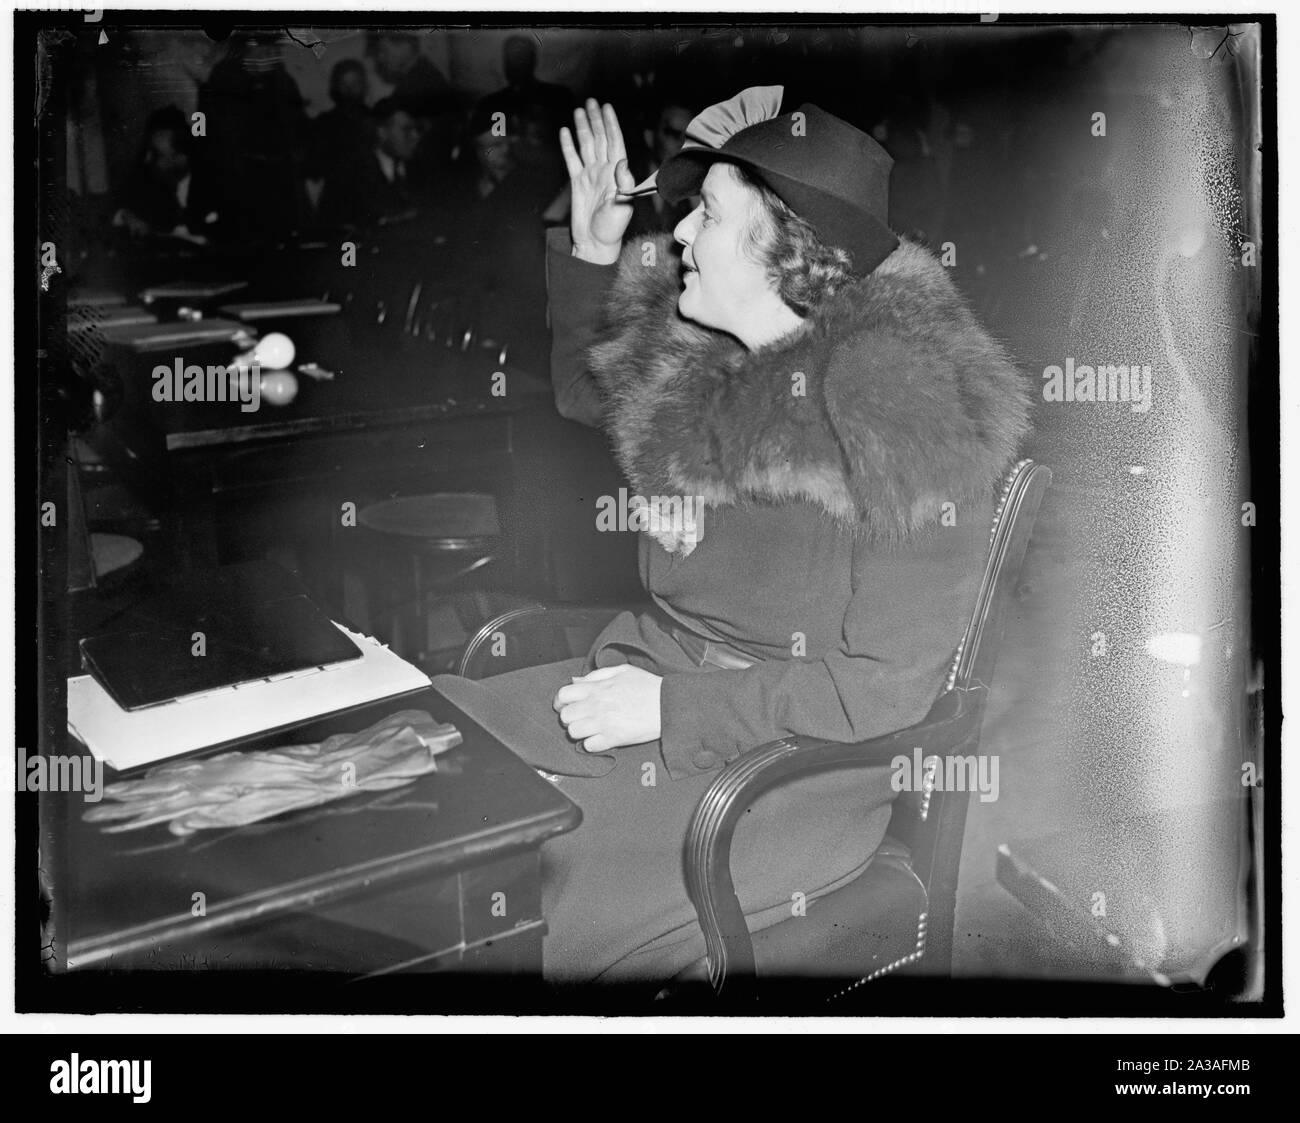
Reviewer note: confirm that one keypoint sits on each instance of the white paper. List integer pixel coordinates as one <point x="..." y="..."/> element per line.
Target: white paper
<point x="131" y="738"/>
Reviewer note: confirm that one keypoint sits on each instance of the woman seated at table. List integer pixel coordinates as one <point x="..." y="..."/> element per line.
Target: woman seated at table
<point x="828" y="424"/>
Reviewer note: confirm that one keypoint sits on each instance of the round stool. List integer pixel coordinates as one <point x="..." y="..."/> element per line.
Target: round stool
<point x="113" y="552"/>
<point x="444" y="538"/>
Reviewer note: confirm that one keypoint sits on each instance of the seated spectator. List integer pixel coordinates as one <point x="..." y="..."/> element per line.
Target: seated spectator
<point x="374" y="189"/>
<point x="500" y="246"/>
<point x="256" y="128"/>
<point x="536" y="152"/>
<point x="421" y="87"/>
<point x="170" y="191"/>
<point x="494" y="156"/>
<point x="416" y="81"/>
<point x="524" y="98"/>
<point x="342" y="133"/>
<point x="663" y="140"/>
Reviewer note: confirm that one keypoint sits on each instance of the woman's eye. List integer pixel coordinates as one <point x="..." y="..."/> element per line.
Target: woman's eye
<point x="706" y="218"/>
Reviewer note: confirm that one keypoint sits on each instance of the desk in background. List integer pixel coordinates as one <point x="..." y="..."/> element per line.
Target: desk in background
<point x="398" y="417"/>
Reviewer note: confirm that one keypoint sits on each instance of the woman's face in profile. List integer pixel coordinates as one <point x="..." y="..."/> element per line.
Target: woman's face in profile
<point x="720" y="279"/>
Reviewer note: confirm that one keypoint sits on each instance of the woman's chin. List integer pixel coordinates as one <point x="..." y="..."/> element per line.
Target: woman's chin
<point x="687" y="303"/>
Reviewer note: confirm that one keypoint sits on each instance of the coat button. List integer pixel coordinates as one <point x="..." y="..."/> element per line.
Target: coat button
<point x="706" y="759"/>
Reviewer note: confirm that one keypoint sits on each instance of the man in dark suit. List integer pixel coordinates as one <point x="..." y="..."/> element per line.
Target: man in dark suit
<point x="524" y="99"/>
<point x="374" y="189"/>
<point x="424" y="90"/>
<point x="171" y="191"/>
<point x="496" y="241"/>
<point x="256" y="129"/>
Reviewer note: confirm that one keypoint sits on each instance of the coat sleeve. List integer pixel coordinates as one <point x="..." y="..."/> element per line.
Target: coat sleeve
<point x="907" y="614"/>
<point x="576" y="291"/>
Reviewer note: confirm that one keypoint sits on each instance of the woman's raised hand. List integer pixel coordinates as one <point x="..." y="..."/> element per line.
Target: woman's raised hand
<point x="598" y="171"/>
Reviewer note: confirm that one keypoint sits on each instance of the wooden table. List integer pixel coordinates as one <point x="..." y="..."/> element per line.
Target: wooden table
<point x="439" y="878"/>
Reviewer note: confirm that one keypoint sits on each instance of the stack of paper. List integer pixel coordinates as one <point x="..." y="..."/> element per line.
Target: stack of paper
<point x="127" y="739"/>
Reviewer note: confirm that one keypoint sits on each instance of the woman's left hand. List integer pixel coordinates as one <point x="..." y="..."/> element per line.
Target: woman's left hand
<point x="611" y="707"/>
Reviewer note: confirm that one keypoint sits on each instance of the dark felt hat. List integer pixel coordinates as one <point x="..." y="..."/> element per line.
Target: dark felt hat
<point x="832" y="175"/>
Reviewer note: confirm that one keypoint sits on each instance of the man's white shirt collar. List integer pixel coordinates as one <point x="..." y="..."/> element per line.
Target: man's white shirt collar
<point x="390" y="167"/>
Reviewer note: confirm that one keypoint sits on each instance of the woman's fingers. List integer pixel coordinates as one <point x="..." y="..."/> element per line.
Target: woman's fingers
<point x="583" y="727"/>
<point x="613" y="135"/>
<point x="601" y="673"/>
<point x="586" y="142"/>
<point x="574" y="692"/>
<point x="571" y="712"/>
<point x="597" y="124"/>
<point x="571" y="162"/>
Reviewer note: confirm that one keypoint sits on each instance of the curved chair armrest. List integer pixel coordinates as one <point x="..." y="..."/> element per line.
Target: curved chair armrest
<point x="532" y="618"/>
<point x="954" y="716"/>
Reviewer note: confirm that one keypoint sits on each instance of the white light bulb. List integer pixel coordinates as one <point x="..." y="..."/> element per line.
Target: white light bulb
<point x="279" y="387"/>
<point x="274" y="351"/>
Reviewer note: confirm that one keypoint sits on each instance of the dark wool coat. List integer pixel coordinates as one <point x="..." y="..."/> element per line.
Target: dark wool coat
<point x="847" y="474"/>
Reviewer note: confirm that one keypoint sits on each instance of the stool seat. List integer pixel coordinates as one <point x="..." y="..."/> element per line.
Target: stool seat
<point x="111" y="552"/>
<point x="441" y="522"/>
<point x="428" y="556"/>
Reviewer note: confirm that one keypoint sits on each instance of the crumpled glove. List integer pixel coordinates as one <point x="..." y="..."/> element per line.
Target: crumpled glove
<point x="238" y="787"/>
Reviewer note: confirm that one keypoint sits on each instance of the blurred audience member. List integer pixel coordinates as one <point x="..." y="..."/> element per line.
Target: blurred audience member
<point x="374" y="189"/>
<point x="662" y="139"/>
<point x="342" y="133"/>
<point x="429" y="99"/>
<point x="494" y="158"/>
<point x="171" y="191"/>
<point x="526" y="102"/>
<point x="416" y="81"/>
<point x="500" y="244"/>
<point x="256" y="128"/>
<point x="536" y="152"/>
<point x="916" y="205"/>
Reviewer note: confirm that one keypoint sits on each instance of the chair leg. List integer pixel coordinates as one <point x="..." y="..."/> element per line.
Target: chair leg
<point x="419" y="621"/>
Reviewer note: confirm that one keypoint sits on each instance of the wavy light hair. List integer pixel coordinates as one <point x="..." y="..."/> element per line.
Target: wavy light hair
<point x="804" y="269"/>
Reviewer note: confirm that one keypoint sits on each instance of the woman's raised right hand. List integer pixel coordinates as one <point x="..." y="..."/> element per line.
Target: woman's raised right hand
<point x="598" y="171"/>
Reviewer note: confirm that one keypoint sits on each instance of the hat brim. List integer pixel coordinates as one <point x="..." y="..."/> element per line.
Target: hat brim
<point x="682" y="175"/>
<point x="866" y="239"/>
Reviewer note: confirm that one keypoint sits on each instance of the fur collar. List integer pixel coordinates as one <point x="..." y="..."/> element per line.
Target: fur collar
<point x="905" y="402"/>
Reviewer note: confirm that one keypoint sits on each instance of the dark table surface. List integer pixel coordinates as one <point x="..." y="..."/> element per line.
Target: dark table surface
<point x="403" y="414"/>
<point x="114" y="895"/>
<point x="380" y="378"/>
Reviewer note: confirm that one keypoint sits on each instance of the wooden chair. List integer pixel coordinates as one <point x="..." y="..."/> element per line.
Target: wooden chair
<point x="897" y="915"/>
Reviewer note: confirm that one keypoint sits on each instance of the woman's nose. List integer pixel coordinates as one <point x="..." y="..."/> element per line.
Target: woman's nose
<point x="684" y="231"/>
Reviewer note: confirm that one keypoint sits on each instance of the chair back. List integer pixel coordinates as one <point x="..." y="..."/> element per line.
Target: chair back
<point x="932" y="821"/>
